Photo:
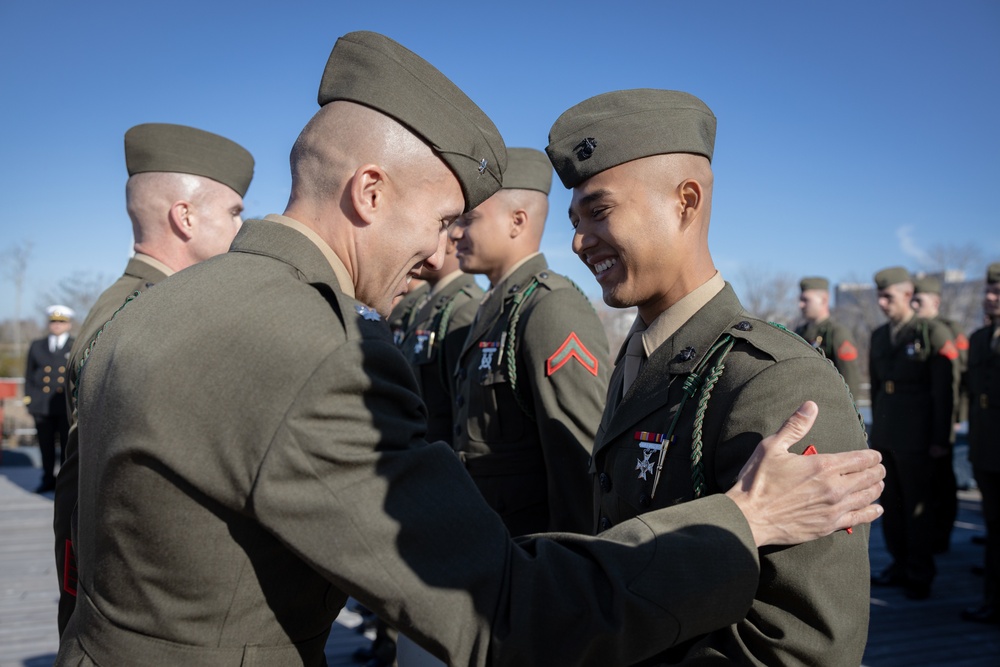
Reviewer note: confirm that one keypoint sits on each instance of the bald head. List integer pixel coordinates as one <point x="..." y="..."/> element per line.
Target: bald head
<point x="500" y="232"/>
<point x="336" y="141"/>
<point x="182" y="219"/>
<point x="376" y="193"/>
<point x="535" y="205"/>
<point x="149" y="197"/>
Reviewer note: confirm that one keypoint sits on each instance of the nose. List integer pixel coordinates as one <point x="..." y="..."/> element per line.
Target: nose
<point x="582" y="241"/>
<point x="455" y="231"/>
<point x="436" y="261"/>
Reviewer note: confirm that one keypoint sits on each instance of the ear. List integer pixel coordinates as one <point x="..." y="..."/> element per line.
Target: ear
<point x="181" y="217"/>
<point x="518" y="222"/>
<point x="691" y="201"/>
<point x="368" y="192"/>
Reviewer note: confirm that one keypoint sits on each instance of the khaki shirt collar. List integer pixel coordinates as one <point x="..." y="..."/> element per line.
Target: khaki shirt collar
<point x="339" y="270"/>
<point x="444" y="282"/>
<point x="673" y="318"/>
<point x="155" y="263"/>
<point x="509" y="273"/>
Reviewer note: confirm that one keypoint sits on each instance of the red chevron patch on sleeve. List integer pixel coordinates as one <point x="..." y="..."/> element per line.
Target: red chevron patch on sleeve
<point x="572" y="348"/>
<point x="949" y="351"/>
<point x="847" y="351"/>
<point x="961" y="342"/>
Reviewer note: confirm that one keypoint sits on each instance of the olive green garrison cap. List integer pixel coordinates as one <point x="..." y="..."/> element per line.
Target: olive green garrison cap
<point x="892" y="276"/>
<point x="187" y="150"/>
<point x="993" y="273"/>
<point x="373" y="70"/>
<point x="814" y="282"/>
<point x="926" y="285"/>
<point x="527" y="169"/>
<point x="608" y="130"/>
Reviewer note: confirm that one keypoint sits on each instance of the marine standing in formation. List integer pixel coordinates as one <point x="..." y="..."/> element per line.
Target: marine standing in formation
<point x="700" y="379"/>
<point x="401" y="317"/>
<point x="437" y="330"/>
<point x="533" y="372"/>
<point x="824" y="332"/>
<point x="45" y="391"/>
<point x="926" y="304"/>
<point x="184" y="196"/>
<point x="228" y="527"/>
<point x="913" y="376"/>
<point x="984" y="440"/>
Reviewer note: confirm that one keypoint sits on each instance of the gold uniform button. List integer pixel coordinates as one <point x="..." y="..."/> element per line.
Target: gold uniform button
<point x="984" y="401"/>
<point x="59" y="390"/>
<point x="45" y="390"/>
<point x="60" y="380"/>
<point x="890" y="387"/>
<point x="62" y="369"/>
<point x="48" y="369"/>
<point x="46" y="379"/>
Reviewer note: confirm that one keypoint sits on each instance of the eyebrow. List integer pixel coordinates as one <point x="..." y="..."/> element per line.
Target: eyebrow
<point x="589" y="199"/>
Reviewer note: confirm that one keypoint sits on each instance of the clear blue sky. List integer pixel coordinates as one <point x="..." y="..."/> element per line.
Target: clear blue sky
<point x="852" y="135"/>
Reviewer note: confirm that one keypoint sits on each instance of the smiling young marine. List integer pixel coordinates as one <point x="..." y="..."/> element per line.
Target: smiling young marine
<point x="699" y="379"/>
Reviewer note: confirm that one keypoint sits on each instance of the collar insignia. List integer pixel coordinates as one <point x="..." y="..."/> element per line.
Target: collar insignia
<point x="367" y="313"/>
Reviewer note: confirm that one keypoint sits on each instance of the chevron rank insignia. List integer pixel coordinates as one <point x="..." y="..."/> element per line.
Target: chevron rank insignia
<point x="847" y="351"/>
<point x="949" y="351"/>
<point x="571" y="348"/>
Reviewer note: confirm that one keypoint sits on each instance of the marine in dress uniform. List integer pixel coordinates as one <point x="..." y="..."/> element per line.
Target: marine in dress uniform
<point x="436" y="327"/>
<point x="160" y="159"/>
<point x="984" y="440"/>
<point x="913" y="378"/>
<point x="401" y="317"/>
<point x="45" y="390"/>
<point x="699" y="379"/>
<point x="824" y="333"/>
<point x="532" y="374"/>
<point x="926" y="304"/>
<point x="436" y="334"/>
<point x="228" y="526"/>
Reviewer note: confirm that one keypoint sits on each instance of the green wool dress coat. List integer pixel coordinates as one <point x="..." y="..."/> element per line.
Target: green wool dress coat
<point x="138" y="277"/>
<point x="251" y="453"/>
<point x="531" y="380"/>
<point x="811" y="603"/>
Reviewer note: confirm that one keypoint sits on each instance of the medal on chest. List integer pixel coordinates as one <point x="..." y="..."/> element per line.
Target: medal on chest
<point x="422" y="340"/>
<point x="651" y="444"/>
<point x="487" y="350"/>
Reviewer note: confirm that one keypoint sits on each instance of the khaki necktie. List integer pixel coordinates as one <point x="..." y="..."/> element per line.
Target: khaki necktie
<point x="634" y="355"/>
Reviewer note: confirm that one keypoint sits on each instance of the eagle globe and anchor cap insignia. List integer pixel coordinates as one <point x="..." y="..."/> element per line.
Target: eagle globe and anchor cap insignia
<point x="585" y="148"/>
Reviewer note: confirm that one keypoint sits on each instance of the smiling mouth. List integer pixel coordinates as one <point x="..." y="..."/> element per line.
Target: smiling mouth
<point x="601" y="267"/>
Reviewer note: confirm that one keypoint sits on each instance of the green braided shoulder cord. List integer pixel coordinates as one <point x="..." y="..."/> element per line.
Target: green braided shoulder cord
<point x="697" y="465"/>
<point x="694" y="383"/>
<point x="93" y="343"/>
<point x="440" y="328"/>
<point x="510" y="348"/>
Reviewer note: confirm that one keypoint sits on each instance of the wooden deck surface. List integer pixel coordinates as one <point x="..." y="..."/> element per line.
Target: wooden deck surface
<point x="902" y="632"/>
